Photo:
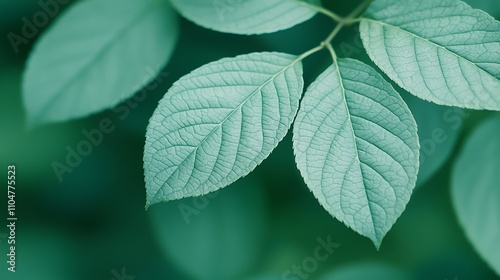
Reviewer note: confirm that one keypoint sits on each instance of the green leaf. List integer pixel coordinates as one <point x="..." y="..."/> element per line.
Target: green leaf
<point x="215" y="237"/>
<point x="356" y="146"/>
<point x="97" y="54"/>
<point x="441" y="51"/>
<point x="247" y="16"/>
<point x="219" y="122"/>
<point x="363" y="271"/>
<point x="438" y="128"/>
<point x="476" y="193"/>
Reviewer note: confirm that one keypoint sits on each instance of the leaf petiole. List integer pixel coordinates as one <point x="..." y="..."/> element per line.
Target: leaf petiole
<point x="351" y="18"/>
<point x="332" y="52"/>
<point x="322" y="10"/>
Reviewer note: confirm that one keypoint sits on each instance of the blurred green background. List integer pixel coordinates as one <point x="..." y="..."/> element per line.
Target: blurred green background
<point x="93" y="225"/>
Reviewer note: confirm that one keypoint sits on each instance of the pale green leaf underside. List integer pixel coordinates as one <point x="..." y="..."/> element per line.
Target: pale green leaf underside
<point x="247" y="16"/>
<point x="356" y="146"/>
<point x="97" y="54"/>
<point x="441" y="51"/>
<point x="219" y="122"/>
<point x="476" y="192"/>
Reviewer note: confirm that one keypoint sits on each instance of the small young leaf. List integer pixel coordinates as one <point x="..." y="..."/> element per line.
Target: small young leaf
<point x="97" y="54"/>
<point x="356" y="146"/>
<point x="219" y="122"/>
<point x="476" y="193"/>
<point x="442" y="51"/>
<point x="247" y="16"/>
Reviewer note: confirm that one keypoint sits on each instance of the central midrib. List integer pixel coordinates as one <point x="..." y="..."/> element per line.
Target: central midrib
<point x="357" y="159"/>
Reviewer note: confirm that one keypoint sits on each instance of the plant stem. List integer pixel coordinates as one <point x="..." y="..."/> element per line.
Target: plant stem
<point x="332" y="52"/>
<point x="330" y="14"/>
<point x="322" y="10"/>
<point x="356" y="12"/>
<point x="334" y="33"/>
<point x="310" y="52"/>
<point x="351" y="18"/>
